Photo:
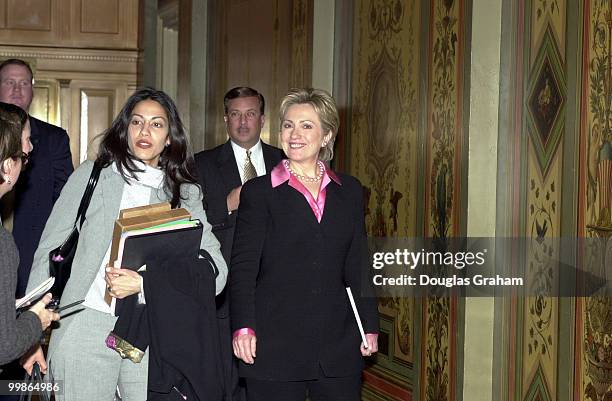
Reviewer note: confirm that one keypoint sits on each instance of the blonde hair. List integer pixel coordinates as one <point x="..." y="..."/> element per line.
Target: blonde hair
<point x="325" y="107"/>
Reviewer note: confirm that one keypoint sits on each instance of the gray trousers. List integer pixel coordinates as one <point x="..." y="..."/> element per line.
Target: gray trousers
<point x="89" y="371"/>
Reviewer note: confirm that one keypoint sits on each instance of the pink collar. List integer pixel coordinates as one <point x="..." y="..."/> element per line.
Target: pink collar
<point x="280" y="174"/>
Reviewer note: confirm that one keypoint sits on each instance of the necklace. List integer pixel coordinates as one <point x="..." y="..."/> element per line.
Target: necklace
<point x="306" y="178"/>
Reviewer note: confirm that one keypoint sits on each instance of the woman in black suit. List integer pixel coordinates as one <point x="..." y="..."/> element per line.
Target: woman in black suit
<point x="300" y="240"/>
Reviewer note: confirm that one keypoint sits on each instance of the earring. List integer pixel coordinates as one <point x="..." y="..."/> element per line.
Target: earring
<point x="8" y="181"/>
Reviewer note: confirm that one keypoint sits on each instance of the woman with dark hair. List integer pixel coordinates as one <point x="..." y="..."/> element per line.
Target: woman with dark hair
<point x="146" y="159"/>
<point x="17" y="335"/>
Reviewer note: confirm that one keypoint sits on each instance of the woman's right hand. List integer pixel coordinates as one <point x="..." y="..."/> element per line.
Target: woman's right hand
<point x="35" y="355"/>
<point x="245" y="346"/>
<point x="46" y="316"/>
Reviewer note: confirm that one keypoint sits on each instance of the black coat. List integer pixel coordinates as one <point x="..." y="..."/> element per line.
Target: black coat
<point x="179" y="326"/>
<point x="218" y="175"/>
<point x="38" y="188"/>
<point x="288" y="278"/>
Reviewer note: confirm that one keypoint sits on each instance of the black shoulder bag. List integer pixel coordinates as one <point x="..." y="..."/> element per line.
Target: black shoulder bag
<point x="60" y="259"/>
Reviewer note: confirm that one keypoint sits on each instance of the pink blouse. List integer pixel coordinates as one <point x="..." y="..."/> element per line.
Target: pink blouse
<point x="280" y="174"/>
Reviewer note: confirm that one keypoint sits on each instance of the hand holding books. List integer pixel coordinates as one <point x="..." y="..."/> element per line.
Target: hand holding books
<point x="121" y="279"/>
<point x="144" y="234"/>
<point x="122" y="282"/>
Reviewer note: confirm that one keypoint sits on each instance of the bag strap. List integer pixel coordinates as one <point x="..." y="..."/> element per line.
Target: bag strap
<point x="37" y="377"/>
<point x="26" y="396"/>
<point x="91" y="185"/>
<point x="204" y="253"/>
<point x="34" y="378"/>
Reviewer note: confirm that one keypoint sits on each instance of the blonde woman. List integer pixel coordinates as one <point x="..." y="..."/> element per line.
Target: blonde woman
<point x="299" y="241"/>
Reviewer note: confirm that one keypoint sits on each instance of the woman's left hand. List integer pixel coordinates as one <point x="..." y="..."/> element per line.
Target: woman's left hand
<point x="372" y="340"/>
<point x="122" y="282"/>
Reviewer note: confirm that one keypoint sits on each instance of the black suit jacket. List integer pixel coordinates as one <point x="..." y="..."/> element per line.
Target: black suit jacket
<point x="288" y="279"/>
<point x="38" y="188"/>
<point x="218" y="175"/>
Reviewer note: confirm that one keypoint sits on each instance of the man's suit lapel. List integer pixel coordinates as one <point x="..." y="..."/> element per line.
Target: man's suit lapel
<point x="226" y="163"/>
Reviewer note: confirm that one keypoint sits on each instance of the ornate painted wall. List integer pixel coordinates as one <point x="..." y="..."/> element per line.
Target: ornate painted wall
<point x="405" y="146"/>
<point x="560" y="155"/>
<point x="544" y="116"/>
<point x="384" y="119"/>
<point x="594" y="315"/>
<point x="446" y="162"/>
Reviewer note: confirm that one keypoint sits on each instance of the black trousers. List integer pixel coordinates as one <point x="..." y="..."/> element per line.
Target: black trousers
<point x="322" y="389"/>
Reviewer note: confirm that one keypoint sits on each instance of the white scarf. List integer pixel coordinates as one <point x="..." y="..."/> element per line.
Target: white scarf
<point x="150" y="176"/>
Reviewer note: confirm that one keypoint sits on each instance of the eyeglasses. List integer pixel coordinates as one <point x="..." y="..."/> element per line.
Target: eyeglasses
<point x="25" y="158"/>
<point x="249" y="115"/>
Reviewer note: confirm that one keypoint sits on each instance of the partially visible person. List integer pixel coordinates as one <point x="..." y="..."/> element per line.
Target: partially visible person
<point x="17" y="334"/>
<point x="146" y="159"/>
<point x="221" y="173"/>
<point x="300" y="240"/>
<point x="49" y="168"/>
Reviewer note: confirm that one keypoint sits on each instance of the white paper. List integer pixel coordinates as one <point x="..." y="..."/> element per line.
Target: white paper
<point x="357" y="318"/>
<point x="35" y="293"/>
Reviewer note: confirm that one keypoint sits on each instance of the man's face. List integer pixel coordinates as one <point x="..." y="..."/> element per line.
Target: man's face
<point x="16" y="86"/>
<point x="244" y="121"/>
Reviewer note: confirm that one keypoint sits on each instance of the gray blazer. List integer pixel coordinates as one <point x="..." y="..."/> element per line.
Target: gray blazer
<point x="96" y="233"/>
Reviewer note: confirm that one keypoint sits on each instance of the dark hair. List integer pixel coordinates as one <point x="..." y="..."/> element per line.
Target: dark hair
<point x="244" y="91"/>
<point x="176" y="159"/>
<point x="12" y="121"/>
<point x="16" y="61"/>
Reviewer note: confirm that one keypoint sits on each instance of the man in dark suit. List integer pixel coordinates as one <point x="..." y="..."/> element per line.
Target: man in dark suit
<point x="50" y="165"/>
<point x="222" y="171"/>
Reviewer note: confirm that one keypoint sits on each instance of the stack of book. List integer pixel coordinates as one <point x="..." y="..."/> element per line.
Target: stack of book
<point x="147" y="233"/>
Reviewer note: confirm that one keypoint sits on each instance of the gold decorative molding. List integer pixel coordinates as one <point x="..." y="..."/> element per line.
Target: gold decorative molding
<point x="111" y="56"/>
<point x="67" y="63"/>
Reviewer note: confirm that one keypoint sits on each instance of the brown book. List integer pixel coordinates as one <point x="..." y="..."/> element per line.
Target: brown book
<point x="144" y="210"/>
<point x="141" y="217"/>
